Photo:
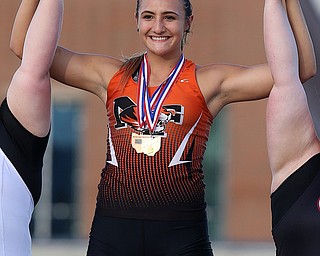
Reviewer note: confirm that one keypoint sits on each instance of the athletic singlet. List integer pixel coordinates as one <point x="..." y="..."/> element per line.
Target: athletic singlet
<point x="296" y="212"/>
<point x="168" y="185"/>
<point x="21" y="155"/>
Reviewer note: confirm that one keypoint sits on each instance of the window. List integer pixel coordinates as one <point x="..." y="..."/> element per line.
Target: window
<point x="56" y="214"/>
<point x="213" y="166"/>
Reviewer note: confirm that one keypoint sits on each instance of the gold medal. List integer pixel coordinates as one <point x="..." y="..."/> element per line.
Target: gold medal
<point x="149" y="107"/>
<point x="147" y="144"/>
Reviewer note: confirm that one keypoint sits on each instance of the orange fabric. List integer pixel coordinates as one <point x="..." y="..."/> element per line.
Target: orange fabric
<point x="168" y="185"/>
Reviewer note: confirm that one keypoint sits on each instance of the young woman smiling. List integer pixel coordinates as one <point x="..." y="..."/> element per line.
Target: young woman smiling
<point x="160" y="106"/>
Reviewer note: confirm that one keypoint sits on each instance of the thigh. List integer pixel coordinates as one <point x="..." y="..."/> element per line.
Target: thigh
<point x="290" y="130"/>
<point x="115" y="237"/>
<point x="177" y="238"/>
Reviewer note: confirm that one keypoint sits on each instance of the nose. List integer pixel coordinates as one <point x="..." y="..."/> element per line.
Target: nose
<point x="159" y="26"/>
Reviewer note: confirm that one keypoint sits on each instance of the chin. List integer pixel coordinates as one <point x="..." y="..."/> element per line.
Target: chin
<point x="164" y="51"/>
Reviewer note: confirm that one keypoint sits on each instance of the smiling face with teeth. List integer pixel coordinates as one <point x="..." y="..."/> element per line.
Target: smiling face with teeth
<point x="162" y="26"/>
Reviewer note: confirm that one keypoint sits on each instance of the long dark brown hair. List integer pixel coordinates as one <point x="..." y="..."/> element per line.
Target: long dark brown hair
<point x="131" y="65"/>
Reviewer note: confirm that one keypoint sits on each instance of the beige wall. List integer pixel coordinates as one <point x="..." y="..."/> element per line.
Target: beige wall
<point x="223" y="31"/>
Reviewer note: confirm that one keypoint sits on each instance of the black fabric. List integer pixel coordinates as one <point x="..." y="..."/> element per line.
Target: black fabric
<point x="296" y="212"/>
<point x="122" y="237"/>
<point x="292" y="188"/>
<point x="24" y="150"/>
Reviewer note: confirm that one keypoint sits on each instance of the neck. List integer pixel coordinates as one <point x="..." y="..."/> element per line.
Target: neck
<point x="163" y="61"/>
<point x="161" y="67"/>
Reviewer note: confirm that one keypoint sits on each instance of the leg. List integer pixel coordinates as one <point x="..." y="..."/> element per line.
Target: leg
<point x="29" y="94"/>
<point x="115" y="237"/>
<point x="291" y="136"/>
<point x="177" y="238"/>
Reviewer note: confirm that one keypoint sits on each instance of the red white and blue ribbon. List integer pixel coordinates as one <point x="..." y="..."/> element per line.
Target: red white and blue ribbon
<point x="149" y="108"/>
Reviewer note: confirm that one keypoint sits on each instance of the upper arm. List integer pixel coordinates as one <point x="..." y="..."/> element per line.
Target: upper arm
<point x="244" y="83"/>
<point x="224" y="84"/>
<point x="84" y="71"/>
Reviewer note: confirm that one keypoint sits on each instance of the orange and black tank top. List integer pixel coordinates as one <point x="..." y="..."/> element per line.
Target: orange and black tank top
<point x="168" y="185"/>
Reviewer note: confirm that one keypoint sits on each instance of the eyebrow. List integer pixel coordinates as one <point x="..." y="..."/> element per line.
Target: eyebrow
<point x="164" y="13"/>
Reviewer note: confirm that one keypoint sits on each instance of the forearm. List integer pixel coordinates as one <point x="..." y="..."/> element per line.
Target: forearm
<point x="307" y="60"/>
<point x="21" y="24"/>
<point x="280" y="46"/>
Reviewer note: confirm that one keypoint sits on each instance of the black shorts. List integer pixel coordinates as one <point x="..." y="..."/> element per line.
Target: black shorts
<point x="133" y="237"/>
<point x="23" y="149"/>
<point x="296" y="212"/>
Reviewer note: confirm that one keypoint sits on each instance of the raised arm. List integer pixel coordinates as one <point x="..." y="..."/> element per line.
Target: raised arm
<point x="84" y="71"/>
<point x="28" y="96"/>
<point x="232" y="83"/>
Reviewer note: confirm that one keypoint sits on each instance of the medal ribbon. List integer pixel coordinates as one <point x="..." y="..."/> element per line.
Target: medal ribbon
<point x="149" y="108"/>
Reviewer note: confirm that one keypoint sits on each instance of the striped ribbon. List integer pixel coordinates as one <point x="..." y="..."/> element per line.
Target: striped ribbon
<point x="149" y="108"/>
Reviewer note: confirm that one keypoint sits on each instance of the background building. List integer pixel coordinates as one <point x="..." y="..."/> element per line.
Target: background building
<point x="236" y="166"/>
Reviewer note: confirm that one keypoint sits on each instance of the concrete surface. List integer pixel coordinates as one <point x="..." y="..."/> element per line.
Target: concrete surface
<point x="78" y="248"/>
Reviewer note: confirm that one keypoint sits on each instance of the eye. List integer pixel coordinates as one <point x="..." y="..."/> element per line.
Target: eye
<point x="147" y="17"/>
<point x="169" y="17"/>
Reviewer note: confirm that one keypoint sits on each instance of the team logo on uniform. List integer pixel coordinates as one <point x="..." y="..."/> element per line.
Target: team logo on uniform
<point x="129" y="117"/>
<point x="126" y="114"/>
